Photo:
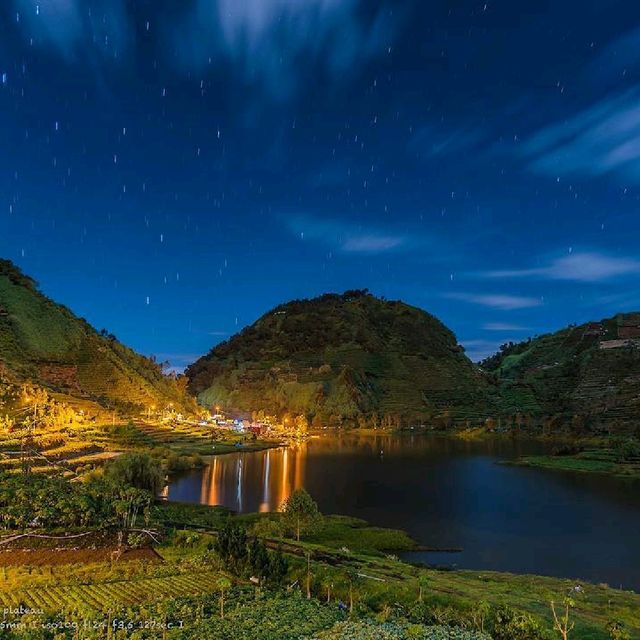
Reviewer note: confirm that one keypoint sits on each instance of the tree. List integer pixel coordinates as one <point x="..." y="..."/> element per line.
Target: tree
<point x="300" y="513"/>
<point x="308" y="554"/>
<point x="223" y="584"/>
<point x="561" y="622"/>
<point x="259" y="560"/>
<point x="137" y="470"/>
<point x="353" y="579"/>
<point x="617" y="631"/>
<point x="302" y="425"/>
<point x="231" y="545"/>
<point x="278" y="567"/>
<point x="130" y="503"/>
<point x="423" y="585"/>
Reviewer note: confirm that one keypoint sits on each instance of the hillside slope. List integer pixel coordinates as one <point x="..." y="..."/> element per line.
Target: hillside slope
<point x="342" y="358"/>
<point x="586" y="376"/>
<point x="45" y="343"/>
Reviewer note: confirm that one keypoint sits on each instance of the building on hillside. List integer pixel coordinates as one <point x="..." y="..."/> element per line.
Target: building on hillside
<point x="616" y="344"/>
<point x="628" y="326"/>
<point x="593" y="329"/>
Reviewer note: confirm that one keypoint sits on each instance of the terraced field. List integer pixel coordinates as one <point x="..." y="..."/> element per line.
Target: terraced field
<point x="72" y="448"/>
<point x="106" y="595"/>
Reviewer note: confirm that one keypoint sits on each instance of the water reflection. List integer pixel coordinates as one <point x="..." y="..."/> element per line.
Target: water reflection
<point x="247" y="481"/>
<point x="447" y="493"/>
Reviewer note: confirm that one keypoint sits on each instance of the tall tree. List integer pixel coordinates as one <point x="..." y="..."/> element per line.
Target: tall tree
<point x="300" y="513"/>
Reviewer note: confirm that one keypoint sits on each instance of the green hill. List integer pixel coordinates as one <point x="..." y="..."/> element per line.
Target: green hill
<point x="585" y="376"/>
<point x="45" y="343"/>
<point x="344" y="358"/>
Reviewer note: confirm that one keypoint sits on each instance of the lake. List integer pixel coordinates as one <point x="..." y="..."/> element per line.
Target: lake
<point x="447" y="493"/>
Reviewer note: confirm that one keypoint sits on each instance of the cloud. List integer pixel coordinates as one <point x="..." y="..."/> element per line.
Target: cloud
<point x="603" y="139"/>
<point x="371" y="243"/>
<point x="432" y="141"/>
<point x="576" y="267"/>
<point x="503" y="326"/>
<point x="271" y="42"/>
<point x="345" y="236"/>
<point x="497" y="300"/>
<point x="75" y="31"/>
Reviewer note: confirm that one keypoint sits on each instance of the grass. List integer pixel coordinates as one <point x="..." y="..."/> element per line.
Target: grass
<point x="338" y="548"/>
<point x="337" y="532"/>
<point x="342" y="543"/>
<point x="591" y="461"/>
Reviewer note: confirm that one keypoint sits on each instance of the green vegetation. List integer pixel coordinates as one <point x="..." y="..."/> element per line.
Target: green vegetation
<point x="621" y="458"/>
<point x="43" y="342"/>
<point x="344" y="359"/>
<point x="138" y="470"/>
<point x="580" y="380"/>
<point x="222" y="576"/>
<point x="300" y="513"/>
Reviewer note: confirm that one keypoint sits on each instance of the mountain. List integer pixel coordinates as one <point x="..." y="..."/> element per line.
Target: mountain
<point x="586" y="376"/>
<point x="45" y="343"/>
<point x="340" y="358"/>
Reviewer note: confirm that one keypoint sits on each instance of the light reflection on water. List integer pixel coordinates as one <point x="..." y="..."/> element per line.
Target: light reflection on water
<point x="255" y="481"/>
<point x="446" y="493"/>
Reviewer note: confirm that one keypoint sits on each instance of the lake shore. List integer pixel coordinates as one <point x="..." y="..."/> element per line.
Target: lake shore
<point x="590" y="461"/>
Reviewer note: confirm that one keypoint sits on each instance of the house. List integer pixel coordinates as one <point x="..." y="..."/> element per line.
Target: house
<point x="615" y="344"/>
<point x="593" y="329"/>
<point x="628" y="326"/>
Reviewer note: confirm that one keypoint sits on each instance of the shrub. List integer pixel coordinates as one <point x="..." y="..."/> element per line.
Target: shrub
<point x="137" y="470"/>
<point x="511" y="624"/>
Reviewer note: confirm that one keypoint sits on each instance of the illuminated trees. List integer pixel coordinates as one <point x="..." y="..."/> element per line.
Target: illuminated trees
<point x="300" y="513"/>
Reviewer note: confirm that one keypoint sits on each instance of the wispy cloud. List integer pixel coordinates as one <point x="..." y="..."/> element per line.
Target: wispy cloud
<point x="269" y="43"/>
<point x="432" y="140"/>
<point x="577" y="267"/>
<point x="502" y="301"/>
<point x="504" y="326"/>
<point x="75" y="31"/>
<point x="603" y="139"/>
<point x="346" y="236"/>
<point x="266" y="40"/>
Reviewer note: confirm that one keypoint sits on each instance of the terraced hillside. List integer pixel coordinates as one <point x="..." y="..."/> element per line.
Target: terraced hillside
<point x="341" y="358"/>
<point x="45" y="343"/>
<point x="587" y="376"/>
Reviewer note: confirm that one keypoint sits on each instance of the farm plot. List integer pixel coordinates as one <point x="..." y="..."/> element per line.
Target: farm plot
<point x="107" y="595"/>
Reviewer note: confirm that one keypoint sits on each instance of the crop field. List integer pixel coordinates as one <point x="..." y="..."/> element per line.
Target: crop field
<point x="70" y="449"/>
<point x="109" y="594"/>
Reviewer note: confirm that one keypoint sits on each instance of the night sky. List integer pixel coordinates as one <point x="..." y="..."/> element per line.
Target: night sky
<point x="172" y="170"/>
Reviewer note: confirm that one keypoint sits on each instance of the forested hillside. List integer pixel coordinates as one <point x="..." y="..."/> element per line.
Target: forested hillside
<point x="345" y="359"/>
<point x="45" y="343"/>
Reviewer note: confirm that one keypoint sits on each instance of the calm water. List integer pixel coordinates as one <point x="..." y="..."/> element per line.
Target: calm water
<point x="447" y="494"/>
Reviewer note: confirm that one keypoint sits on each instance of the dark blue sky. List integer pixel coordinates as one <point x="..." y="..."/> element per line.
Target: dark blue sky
<point x="172" y="170"/>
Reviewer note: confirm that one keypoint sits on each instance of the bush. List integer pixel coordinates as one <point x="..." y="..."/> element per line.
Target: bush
<point x="137" y="540"/>
<point x="567" y="449"/>
<point x="369" y="630"/>
<point x="137" y="470"/>
<point x="510" y="624"/>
